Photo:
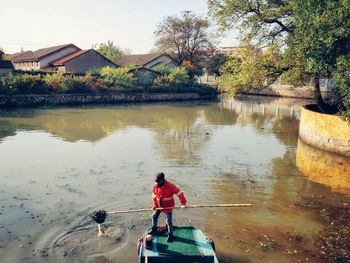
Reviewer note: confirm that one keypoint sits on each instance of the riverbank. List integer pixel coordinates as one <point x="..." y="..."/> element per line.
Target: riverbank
<point x="289" y="92"/>
<point x="8" y="101"/>
<point x="325" y="131"/>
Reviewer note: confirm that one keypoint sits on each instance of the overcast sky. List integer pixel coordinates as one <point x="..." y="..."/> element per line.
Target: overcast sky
<point x="33" y="24"/>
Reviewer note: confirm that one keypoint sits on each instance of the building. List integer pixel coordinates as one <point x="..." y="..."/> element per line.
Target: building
<point x="145" y="76"/>
<point x="41" y="59"/>
<point x="82" y="61"/>
<point x="147" y="60"/>
<point x="5" y="64"/>
<point x="68" y="58"/>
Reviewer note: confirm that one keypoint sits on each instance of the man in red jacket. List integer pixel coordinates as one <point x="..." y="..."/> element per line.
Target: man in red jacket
<point x="162" y="197"/>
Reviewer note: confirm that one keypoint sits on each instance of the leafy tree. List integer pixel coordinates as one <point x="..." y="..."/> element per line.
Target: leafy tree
<point x="248" y="68"/>
<point x="214" y="62"/>
<point x="314" y="34"/>
<point x="179" y="75"/>
<point x="117" y="77"/>
<point x="110" y="50"/>
<point x="172" y="76"/>
<point x="322" y="38"/>
<point x="186" y="36"/>
<point x="263" y="21"/>
<point x="341" y="93"/>
<point x="163" y="69"/>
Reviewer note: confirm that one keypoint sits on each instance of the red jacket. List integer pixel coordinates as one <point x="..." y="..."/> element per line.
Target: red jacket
<point x="163" y="196"/>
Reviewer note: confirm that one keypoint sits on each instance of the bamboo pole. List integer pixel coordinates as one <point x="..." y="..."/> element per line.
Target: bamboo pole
<point x="177" y="207"/>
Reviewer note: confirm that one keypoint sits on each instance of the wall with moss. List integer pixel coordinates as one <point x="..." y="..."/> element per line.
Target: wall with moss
<point x="327" y="132"/>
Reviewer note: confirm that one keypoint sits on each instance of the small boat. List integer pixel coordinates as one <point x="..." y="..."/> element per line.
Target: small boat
<point x="190" y="245"/>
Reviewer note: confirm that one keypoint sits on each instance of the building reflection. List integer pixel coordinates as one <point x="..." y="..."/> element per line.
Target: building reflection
<point x="323" y="167"/>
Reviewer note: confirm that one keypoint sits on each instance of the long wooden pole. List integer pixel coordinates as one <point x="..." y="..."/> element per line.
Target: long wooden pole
<point x="177" y="207"/>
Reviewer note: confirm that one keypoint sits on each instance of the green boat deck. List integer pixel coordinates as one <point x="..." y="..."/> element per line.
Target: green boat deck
<point x="189" y="246"/>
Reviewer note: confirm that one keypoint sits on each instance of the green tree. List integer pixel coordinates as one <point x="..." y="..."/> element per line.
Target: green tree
<point x="314" y="34"/>
<point x="322" y="38"/>
<point x="110" y="50"/>
<point x="249" y="68"/>
<point x="214" y="62"/>
<point x="117" y="77"/>
<point x="186" y="36"/>
<point x="264" y="22"/>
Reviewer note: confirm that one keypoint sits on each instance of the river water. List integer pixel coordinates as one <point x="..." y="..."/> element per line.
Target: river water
<point x="58" y="165"/>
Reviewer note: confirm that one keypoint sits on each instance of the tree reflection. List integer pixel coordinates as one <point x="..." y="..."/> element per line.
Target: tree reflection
<point x="180" y="131"/>
<point x="218" y="115"/>
<point x="286" y="130"/>
<point x="6" y="129"/>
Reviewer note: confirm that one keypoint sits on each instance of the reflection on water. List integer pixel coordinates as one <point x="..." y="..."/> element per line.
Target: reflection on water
<point x="324" y="167"/>
<point x="59" y="165"/>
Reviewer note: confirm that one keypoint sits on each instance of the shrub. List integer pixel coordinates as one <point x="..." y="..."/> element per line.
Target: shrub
<point x="70" y="84"/>
<point x="117" y="77"/>
<point x="163" y="69"/>
<point x="55" y="81"/>
<point x="179" y="75"/>
<point x="22" y="84"/>
<point x="172" y="76"/>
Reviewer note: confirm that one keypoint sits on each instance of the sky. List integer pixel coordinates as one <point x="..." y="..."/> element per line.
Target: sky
<point x="34" y="24"/>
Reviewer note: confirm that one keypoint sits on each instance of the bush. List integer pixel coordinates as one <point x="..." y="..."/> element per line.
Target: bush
<point x="172" y="76"/>
<point x="12" y="84"/>
<point x="179" y="75"/>
<point x="70" y="84"/>
<point x="117" y="77"/>
<point x="163" y="69"/>
<point x="55" y="81"/>
<point x="175" y="81"/>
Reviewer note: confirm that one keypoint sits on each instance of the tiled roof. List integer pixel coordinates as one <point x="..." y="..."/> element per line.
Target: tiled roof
<point x="19" y="54"/>
<point x="140" y="59"/>
<point x="70" y="57"/>
<point x="38" y="54"/>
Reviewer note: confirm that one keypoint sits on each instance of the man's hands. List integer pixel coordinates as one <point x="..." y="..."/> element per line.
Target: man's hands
<point x="154" y="208"/>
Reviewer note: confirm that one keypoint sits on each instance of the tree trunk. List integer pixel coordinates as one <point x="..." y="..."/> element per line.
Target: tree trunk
<point x="322" y="105"/>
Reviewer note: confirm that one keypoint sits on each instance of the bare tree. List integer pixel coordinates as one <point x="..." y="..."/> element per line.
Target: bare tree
<point x="185" y="36"/>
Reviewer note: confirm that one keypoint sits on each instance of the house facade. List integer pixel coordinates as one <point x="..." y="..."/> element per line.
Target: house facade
<point x="147" y="60"/>
<point x="41" y="59"/>
<point x="82" y="61"/>
<point x="145" y="76"/>
<point x="67" y="58"/>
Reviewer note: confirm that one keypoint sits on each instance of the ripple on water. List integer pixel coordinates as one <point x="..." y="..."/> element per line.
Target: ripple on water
<point x="83" y="243"/>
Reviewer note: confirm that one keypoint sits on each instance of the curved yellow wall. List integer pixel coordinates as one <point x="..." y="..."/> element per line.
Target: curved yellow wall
<point x="327" y="132"/>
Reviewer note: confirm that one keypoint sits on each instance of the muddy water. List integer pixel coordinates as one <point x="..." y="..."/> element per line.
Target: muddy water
<point x="59" y="165"/>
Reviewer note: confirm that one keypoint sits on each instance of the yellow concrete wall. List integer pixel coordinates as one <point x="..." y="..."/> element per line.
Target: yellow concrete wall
<point x="327" y="132"/>
<point x="323" y="167"/>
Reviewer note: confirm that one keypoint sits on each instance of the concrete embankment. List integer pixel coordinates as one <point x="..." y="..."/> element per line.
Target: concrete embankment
<point x="327" y="132"/>
<point x="79" y="99"/>
<point x="289" y="92"/>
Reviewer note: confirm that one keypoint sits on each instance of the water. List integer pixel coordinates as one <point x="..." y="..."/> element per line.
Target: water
<point x="59" y="165"/>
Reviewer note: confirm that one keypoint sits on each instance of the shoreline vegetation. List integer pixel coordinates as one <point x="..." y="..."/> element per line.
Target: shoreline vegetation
<point x="108" y="86"/>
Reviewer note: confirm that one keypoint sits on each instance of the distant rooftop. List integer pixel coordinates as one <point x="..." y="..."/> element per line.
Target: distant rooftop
<point x="138" y="59"/>
<point x="38" y="54"/>
<point x="70" y="57"/>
